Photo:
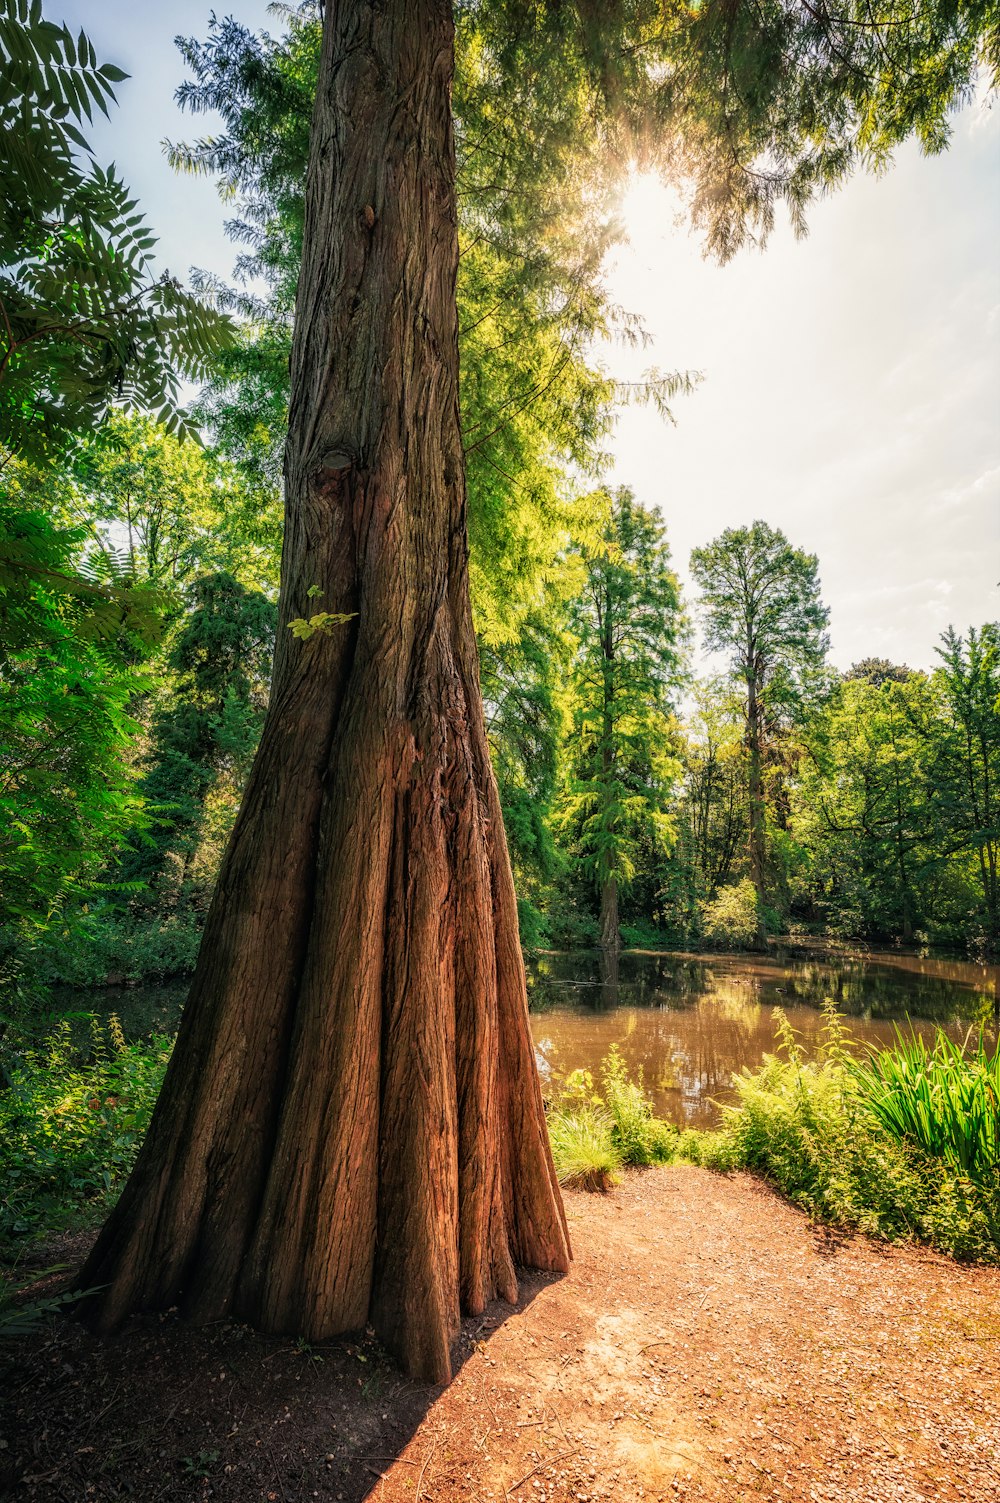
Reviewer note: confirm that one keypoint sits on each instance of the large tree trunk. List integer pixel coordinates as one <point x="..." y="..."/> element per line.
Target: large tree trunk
<point x="351" y="1127"/>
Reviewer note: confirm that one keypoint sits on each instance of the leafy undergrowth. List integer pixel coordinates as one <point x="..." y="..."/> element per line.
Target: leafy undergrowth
<point x="593" y="1135"/>
<point x="946" y="1099"/>
<point x="901" y="1146"/>
<point x="71" y="1122"/>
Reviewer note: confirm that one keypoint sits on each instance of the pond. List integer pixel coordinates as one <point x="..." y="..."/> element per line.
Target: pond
<point x="689" y="1022"/>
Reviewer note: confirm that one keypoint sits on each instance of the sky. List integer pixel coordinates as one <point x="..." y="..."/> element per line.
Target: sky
<point x="851" y="380"/>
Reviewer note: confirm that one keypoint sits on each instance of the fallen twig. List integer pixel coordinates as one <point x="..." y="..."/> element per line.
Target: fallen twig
<point x="537" y="1468"/>
<point x="420" y="1479"/>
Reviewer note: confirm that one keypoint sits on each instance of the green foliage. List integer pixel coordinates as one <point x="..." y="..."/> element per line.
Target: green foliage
<point x="68" y="683"/>
<point x="71" y="1122"/>
<point x="23" y="1317"/>
<point x="894" y="804"/>
<point x="639" y="1137"/>
<point x="646" y="936"/>
<point x="776" y="104"/>
<point x="714" y="803"/>
<point x="321" y="623"/>
<point x="730" y="921"/>
<point x="902" y="1146"/>
<point x="112" y="943"/>
<point x="945" y="1100"/>
<point x="761" y="606"/>
<point x="629" y="628"/>
<point x="204" y="737"/>
<point x="809" y="1128"/>
<point x="525" y="721"/>
<point x="583" y="1149"/>
<point x="532" y="926"/>
<point x="166" y="509"/>
<point x="862" y="806"/>
<point x="963" y="740"/>
<point x="593" y="1136"/>
<point x="84" y="320"/>
<point x="711" y="1150"/>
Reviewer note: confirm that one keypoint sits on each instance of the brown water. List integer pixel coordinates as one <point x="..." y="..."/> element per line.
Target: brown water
<point x="691" y="1021"/>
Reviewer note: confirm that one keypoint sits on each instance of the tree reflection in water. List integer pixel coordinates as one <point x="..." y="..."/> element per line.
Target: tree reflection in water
<point x="689" y="1022"/>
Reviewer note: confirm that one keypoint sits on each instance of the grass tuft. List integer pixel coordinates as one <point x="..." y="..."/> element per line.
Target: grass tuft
<point x="585" y="1156"/>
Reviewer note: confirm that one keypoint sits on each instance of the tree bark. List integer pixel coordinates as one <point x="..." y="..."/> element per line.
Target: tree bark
<point x="610" y="934"/>
<point x="756" y="805"/>
<point x="351" y="1127"/>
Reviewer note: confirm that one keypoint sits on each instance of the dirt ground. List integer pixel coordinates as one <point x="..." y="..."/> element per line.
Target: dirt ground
<point x="709" y="1343"/>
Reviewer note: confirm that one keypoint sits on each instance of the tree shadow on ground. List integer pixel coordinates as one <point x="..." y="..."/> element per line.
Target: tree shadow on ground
<point x="168" y="1412"/>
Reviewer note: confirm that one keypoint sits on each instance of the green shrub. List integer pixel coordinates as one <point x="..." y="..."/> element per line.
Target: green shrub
<point x="571" y="928"/>
<point x="639" y="1137"/>
<point x="730" y="920"/>
<point x="71" y="1122"/>
<point x="712" y="1150"/>
<point x="647" y="936"/>
<point x="113" y="948"/>
<point x="582" y="1147"/>
<point x="532" y="926"/>
<point x="808" y="1128"/>
<point x="593" y="1136"/>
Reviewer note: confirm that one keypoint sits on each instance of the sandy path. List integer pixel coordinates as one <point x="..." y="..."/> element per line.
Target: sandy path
<point x="710" y="1344"/>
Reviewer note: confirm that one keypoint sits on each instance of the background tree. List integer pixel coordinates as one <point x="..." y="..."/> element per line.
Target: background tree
<point x="163" y="509"/>
<point x="523" y="682"/>
<point x="761" y="606"/>
<point x="879" y="671"/>
<point x="629" y="628"/>
<point x="863" y="806"/>
<point x="964" y="748"/>
<point x="71" y="651"/>
<point x="894" y="801"/>
<point x="206" y="732"/>
<point x="714" y="805"/>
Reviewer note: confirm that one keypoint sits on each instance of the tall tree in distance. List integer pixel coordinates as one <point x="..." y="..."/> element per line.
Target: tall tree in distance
<point x="351" y="1127"/>
<point x="630" y="629"/>
<point x="966" y="757"/>
<point x="714" y="804"/>
<point x="862" y="802"/>
<point x="761" y="606"/>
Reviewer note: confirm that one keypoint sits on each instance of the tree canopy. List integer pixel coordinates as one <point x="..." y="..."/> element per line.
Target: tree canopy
<point x="84" y="319"/>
